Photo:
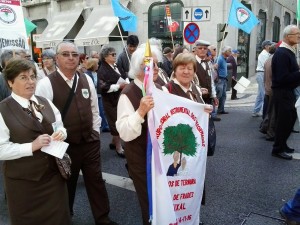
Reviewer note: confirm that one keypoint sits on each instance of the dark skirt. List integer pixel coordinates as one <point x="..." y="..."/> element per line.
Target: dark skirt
<point x="110" y="108"/>
<point x="38" y="202"/>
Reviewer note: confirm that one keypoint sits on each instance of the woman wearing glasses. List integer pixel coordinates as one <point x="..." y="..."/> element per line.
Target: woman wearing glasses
<point x="36" y="192"/>
<point x="111" y="82"/>
<point x="48" y="61"/>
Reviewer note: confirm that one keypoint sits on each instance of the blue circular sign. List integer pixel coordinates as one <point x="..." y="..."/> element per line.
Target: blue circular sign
<point x="191" y="33"/>
<point x="198" y="14"/>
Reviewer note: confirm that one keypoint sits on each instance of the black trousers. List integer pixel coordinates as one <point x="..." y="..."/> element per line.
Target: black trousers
<point x="86" y="157"/>
<point x="285" y="113"/>
<point x="233" y="91"/>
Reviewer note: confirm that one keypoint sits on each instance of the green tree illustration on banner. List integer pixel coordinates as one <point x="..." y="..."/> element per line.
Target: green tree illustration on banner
<point x="180" y="138"/>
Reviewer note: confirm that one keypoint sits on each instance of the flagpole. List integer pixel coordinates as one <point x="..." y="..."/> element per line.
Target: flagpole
<point x="172" y="40"/>
<point x="124" y="43"/>
<point x="222" y="41"/>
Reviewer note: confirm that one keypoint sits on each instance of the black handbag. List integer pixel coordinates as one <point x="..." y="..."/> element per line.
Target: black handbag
<point x="64" y="166"/>
<point x="212" y="138"/>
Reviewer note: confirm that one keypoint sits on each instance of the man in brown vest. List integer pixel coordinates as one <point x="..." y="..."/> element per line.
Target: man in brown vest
<point x="82" y="121"/>
<point x="204" y="74"/>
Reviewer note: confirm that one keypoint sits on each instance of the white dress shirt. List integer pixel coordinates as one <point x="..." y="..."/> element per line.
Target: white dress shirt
<point x="44" y="88"/>
<point x="10" y="150"/>
<point x="262" y="58"/>
<point x="129" y="122"/>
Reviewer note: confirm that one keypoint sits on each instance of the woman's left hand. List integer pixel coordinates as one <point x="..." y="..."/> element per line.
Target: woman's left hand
<point x="58" y="136"/>
<point x="208" y="108"/>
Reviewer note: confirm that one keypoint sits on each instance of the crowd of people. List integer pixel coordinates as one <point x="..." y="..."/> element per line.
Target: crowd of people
<point x="75" y="96"/>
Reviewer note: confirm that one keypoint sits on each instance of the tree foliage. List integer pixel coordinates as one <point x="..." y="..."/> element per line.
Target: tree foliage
<point x="179" y="138"/>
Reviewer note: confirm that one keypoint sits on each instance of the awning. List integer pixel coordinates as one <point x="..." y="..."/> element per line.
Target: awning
<point x="97" y="27"/>
<point x="58" y="28"/>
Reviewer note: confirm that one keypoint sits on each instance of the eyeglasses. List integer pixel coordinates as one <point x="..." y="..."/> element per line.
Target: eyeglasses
<point x="113" y="54"/>
<point x="69" y="54"/>
<point x="294" y="34"/>
<point x="25" y="78"/>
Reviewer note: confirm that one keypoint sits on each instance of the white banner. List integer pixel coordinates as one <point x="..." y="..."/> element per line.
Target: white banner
<point x="181" y="131"/>
<point x="13" y="32"/>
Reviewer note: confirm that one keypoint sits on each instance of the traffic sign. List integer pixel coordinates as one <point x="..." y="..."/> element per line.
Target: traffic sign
<point x="186" y="14"/>
<point x="191" y="33"/>
<point x="201" y="13"/>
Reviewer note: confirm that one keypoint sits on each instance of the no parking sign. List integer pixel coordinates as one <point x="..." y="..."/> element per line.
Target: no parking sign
<point x="191" y="33"/>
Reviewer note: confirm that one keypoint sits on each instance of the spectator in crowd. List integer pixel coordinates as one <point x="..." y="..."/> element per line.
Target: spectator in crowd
<point x="5" y="91"/>
<point x="25" y="55"/>
<point x="221" y="85"/>
<point x="48" y="61"/>
<point x="262" y="58"/>
<point x="82" y="63"/>
<point x="285" y="78"/>
<point x="82" y="121"/>
<point x="92" y="68"/>
<point x="180" y="49"/>
<point x="167" y="61"/>
<point x="95" y="55"/>
<point x="232" y="59"/>
<point x="132" y="124"/>
<point x="124" y="58"/>
<point x="204" y="75"/>
<point x="36" y="193"/>
<point x="111" y="82"/>
<point x="268" y="124"/>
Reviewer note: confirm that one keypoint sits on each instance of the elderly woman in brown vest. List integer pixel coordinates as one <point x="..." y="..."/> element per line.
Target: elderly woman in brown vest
<point x="36" y="192"/>
<point x="182" y="84"/>
<point x="111" y="82"/>
<point x="132" y="124"/>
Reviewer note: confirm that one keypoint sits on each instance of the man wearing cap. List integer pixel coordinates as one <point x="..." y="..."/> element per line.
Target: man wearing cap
<point x="262" y="58"/>
<point x="285" y="78"/>
<point x="232" y="59"/>
<point x="204" y="74"/>
<point x="167" y="61"/>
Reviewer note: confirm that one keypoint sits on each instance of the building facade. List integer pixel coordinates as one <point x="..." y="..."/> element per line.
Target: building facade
<point x="210" y="16"/>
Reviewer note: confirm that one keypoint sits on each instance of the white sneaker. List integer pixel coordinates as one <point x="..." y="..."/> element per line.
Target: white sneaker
<point x="256" y="114"/>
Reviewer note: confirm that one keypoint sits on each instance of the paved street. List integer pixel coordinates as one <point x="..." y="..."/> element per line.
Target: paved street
<point x="244" y="183"/>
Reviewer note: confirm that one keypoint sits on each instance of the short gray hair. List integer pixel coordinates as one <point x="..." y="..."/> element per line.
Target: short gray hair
<point x="288" y="29"/>
<point x="49" y="53"/>
<point x="105" y="51"/>
<point x="225" y="48"/>
<point x="137" y="59"/>
<point x="58" y="47"/>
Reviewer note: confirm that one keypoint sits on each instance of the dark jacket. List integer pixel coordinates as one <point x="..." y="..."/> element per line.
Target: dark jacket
<point x="285" y="69"/>
<point x="167" y="66"/>
<point x="123" y="62"/>
<point x="106" y="77"/>
<point x="233" y="68"/>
